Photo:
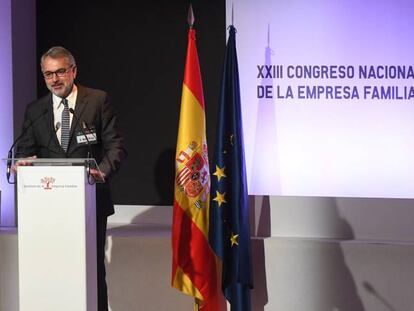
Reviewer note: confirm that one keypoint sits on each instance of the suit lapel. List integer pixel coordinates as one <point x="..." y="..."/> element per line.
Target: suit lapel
<point x="51" y="118"/>
<point x="53" y="140"/>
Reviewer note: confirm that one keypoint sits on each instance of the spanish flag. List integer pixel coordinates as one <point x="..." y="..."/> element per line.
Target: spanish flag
<point x="194" y="269"/>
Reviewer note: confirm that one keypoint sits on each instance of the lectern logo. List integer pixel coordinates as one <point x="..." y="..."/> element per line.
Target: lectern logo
<point x="47" y="182"/>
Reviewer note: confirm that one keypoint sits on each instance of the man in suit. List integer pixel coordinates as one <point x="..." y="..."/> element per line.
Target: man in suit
<point x="54" y="130"/>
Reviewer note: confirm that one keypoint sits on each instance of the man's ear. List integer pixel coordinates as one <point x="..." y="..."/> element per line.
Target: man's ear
<point x="75" y="71"/>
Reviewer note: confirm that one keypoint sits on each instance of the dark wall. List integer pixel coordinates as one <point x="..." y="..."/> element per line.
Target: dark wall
<point x="136" y="53"/>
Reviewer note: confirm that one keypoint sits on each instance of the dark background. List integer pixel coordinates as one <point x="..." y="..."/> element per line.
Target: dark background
<point x="136" y="52"/>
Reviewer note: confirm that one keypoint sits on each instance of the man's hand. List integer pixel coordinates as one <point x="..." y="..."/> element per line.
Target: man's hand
<point x="24" y="162"/>
<point x="97" y="175"/>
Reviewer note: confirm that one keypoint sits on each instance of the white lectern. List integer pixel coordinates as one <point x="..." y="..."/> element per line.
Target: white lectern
<point x="57" y="236"/>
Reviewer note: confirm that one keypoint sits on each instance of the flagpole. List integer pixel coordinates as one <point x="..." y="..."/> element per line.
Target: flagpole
<point x="232" y="13"/>
<point x="190" y="20"/>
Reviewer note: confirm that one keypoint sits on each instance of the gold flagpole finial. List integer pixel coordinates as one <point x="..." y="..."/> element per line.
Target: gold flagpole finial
<point x="190" y="17"/>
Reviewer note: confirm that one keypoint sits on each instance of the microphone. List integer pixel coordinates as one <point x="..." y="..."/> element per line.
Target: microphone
<point x="55" y="129"/>
<point x="89" y="155"/>
<point x="86" y="125"/>
<point x="10" y="153"/>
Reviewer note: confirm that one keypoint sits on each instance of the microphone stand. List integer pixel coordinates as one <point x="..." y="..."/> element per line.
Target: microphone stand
<point x="10" y="153"/>
<point x="9" y="157"/>
<point x="89" y="154"/>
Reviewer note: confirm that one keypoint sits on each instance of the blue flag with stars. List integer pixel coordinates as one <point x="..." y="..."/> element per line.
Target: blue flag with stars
<point x="229" y="233"/>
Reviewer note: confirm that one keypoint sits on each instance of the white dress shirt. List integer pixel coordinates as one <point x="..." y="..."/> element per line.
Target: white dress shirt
<point x="58" y="109"/>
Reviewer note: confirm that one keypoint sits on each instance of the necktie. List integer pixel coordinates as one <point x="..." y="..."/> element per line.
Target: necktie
<point x="64" y="134"/>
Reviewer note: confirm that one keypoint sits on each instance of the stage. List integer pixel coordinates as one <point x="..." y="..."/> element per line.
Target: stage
<point x="299" y="271"/>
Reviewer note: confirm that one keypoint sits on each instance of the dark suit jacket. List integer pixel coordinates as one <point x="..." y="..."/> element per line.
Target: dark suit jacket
<point x="93" y="108"/>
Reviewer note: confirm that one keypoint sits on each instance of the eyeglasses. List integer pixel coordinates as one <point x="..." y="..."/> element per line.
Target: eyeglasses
<point x="59" y="73"/>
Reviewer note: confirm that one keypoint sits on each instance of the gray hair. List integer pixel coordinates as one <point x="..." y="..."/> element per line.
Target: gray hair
<point x="57" y="52"/>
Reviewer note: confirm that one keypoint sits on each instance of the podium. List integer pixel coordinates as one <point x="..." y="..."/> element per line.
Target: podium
<point x="56" y="236"/>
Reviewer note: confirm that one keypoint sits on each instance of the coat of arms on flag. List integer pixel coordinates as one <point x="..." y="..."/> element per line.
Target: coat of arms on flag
<point x="193" y="172"/>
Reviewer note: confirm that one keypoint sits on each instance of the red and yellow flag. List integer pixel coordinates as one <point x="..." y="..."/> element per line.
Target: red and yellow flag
<point x="194" y="270"/>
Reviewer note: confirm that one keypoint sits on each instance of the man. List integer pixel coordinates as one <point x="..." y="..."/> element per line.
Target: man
<point x="53" y="130"/>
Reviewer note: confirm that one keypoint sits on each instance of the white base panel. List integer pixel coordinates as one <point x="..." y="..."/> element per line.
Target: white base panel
<point x="289" y="273"/>
<point x="302" y="267"/>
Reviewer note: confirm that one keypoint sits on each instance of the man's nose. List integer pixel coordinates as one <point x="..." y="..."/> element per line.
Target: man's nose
<point x="55" y="77"/>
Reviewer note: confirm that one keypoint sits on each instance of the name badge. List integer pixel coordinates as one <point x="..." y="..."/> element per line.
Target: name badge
<point x="90" y="133"/>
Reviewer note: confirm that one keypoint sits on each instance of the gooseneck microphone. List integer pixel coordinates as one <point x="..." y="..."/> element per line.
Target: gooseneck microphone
<point x="10" y="153"/>
<point x="89" y="154"/>
<point x="89" y="130"/>
<point x="55" y="129"/>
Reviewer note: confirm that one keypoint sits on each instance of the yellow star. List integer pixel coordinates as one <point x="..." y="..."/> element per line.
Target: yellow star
<point x="234" y="239"/>
<point x="219" y="172"/>
<point x="220" y="198"/>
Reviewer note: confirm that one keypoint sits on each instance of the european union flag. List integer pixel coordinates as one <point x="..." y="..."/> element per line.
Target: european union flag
<point x="229" y="233"/>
